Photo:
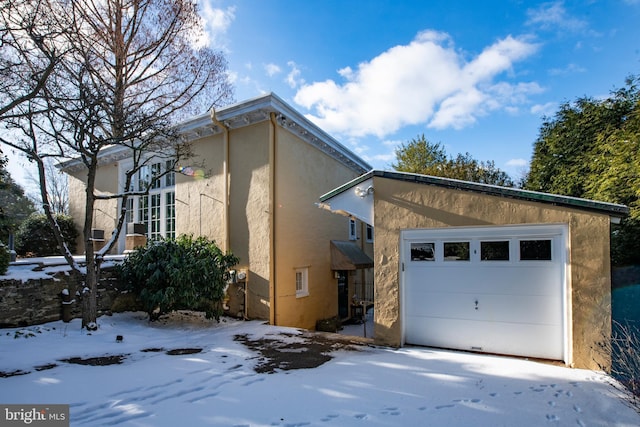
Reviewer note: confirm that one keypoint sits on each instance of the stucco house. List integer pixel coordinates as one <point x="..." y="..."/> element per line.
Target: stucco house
<point x="482" y="268"/>
<point x="264" y="166"/>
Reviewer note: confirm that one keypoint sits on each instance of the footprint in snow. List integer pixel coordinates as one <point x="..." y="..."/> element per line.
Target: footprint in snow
<point x="248" y="383"/>
<point x="577" y="408"/>
<point x="361" y="416"/>
<point x="468" y="400"/>
<point x="445" y="406"/>
<point x="390" y="411"/>
<point x="203" y="397"/>
<point x="329" y="417"/>
<point x="551" y="417"/>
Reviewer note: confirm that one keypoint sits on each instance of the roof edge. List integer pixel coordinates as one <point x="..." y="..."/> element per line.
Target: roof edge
<point x="246" y="112"/>
<point x="611" y="209"/>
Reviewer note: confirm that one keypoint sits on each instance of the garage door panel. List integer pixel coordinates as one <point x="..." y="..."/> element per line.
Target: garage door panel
<point x="528" y="280"/>
<point x="489" y="337"/>
<point x="508" y="307"/>
<point x="490" y="308"/>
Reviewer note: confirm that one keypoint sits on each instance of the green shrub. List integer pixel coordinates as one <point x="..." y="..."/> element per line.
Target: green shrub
<point x="181" y="274"/>
<point x="5" y="258"/>
<point x="35" y="235"/>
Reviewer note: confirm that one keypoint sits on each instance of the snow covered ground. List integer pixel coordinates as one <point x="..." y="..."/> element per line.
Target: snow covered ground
<point x="219" y="386"/>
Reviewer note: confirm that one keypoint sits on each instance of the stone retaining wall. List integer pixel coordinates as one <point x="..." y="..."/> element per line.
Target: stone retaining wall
<point x="37" y="301"/>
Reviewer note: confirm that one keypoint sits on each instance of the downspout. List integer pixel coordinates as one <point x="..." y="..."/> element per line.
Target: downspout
<point x="363" y="284"/>
<point x="225" y="183"/>
<point x="272" y="219"/>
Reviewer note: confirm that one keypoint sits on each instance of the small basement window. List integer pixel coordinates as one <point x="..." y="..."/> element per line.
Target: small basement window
<point x="535" y="250"/>
<point x="423" y="251"/>
<point x="494" y="251"/>
<point x="456" y="251"/>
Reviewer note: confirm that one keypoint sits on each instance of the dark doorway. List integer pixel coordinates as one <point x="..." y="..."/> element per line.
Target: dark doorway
<point x="343" y="294"/>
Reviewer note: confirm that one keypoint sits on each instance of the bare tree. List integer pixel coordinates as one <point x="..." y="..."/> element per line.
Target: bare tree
<point x="130" y="69"/>
<point x="28" y="54"/>
<point x="57" y="189"/>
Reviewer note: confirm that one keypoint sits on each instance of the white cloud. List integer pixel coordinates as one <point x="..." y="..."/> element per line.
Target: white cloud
<point x="517" y="163"/>
<point x="293" y="78"/>
<point x="427" y="81"/>
<point x="547" y="109"/>
<point x="554" y="16"/>
<point x="217" y="22"/>
<point x="272" y="69"/>
<point x="569" y="69"/>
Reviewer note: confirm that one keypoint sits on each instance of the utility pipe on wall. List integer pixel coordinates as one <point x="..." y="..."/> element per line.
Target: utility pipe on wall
<point x="272" y="218"/>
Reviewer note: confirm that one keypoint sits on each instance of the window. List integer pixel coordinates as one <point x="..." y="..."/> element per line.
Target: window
<point x="353" y="234"/>
<point x="302" y="282"/>
<point x="494" y="251"/>
<point x="423" y="252"/>
<point x="535" y="250"/>
<point x="456" y="251"/>
<point x="369" y="234"/>
<point x="170" y="215"/>
<point x="157" y="210"/>
<point x="170" y="177"/>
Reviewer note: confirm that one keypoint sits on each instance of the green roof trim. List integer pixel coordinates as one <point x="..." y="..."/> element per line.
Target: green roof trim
<point x="611" y="209"/>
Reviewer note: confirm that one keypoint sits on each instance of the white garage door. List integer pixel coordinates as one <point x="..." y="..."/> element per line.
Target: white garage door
<point x="496" y="289"/>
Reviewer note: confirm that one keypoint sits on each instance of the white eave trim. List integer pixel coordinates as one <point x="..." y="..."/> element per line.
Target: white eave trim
<point x="246" y="113"/>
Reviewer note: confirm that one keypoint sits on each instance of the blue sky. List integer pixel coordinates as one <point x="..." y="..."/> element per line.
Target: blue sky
<point x="475" y="76"/>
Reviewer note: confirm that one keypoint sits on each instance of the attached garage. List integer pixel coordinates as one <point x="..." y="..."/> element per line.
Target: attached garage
<point x="490" y="289"/>
<point x="482" y="268"/>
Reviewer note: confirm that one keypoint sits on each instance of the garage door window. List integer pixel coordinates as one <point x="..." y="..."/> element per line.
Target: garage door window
<point x="456" y="251"/>
<point x="423" y="251"/>
<point x="494" y="251"/>
<point x="535" y="250"/>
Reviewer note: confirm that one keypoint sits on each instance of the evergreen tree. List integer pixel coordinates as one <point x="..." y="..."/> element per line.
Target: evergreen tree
<point x="15" y="207"/>
<point x="591" y="149"/>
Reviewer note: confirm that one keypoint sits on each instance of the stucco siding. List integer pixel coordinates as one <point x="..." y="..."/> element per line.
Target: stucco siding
<point x="249" y="211"/>
<point x="76" y="207"/>
<point x="199" y="202"/>
<point x="303" y="231"/>
<point x="401" y="205"/>
<point x="105" y="211"/>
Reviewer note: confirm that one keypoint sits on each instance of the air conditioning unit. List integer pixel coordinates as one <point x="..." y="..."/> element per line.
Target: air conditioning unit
<point x="136" y="228"/>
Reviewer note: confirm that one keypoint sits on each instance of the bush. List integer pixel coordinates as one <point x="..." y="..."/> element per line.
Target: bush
<point x="35" y="235"/>
<point x="5" y="258"/>
<point x="181" y="274"/>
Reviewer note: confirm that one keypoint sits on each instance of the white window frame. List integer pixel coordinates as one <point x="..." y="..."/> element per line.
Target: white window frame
<point x="164" y="189"/>
<point x="302" y="282"/>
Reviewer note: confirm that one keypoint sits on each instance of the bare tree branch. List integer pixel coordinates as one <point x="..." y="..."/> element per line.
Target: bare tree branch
<point x="123" y="72"/>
